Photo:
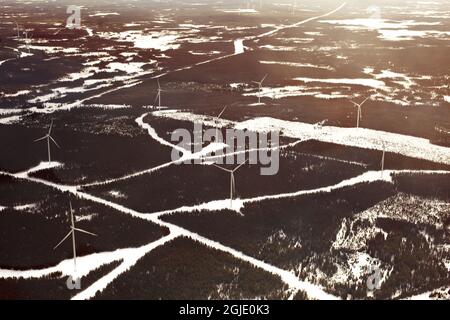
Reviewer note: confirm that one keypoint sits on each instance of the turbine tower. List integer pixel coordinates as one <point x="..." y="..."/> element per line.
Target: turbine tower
<point x="49" y="138"/>
<point x="359" y="113"/>
<point x="72" y="231"/>
<point x="158" y="95"/>
<point x="232" y="180"/>
<point x="260" y="87"/>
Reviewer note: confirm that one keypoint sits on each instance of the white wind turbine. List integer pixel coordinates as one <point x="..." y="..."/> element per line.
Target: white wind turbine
<point x="158" y="95"/>
<point x="232" y="181"/>
<point x="359" y="114"/>
<point x="72" y="231"/>
<point x="49" y="138"/>
<point x="260" y="83"/>
<point x="27" y="40"/>
<point x="18" y="30"/>
<point x="18" y="38"/>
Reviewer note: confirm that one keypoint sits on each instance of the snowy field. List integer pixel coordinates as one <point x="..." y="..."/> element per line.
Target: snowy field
<point x="87" y="114"/>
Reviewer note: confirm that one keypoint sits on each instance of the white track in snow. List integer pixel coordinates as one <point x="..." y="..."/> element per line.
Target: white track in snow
<point x="132" y="256"/>
<point x="129" y="257"/>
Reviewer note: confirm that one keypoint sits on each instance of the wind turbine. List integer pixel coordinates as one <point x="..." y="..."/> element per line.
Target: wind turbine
<point x="359" y="114"/>
<point x="18" y="38"/>
<point x="319" y="125"/>
<point x="72" y="231"/>
<point x="27" y="40"/>
<point x="18" y="30"/>
<point x="48" y="137"/>
<point x="232" y="181"/>
<point x="158" y="95"/>
<point x="260" y="87"/>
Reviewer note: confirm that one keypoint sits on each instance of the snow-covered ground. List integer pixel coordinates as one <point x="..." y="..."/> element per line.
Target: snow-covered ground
<point x="442" y="293"/>
<point x="42" y="166"/>
<point x="11" y="120"/>
<point x="391" y="30"/>
<point x="409" y="146"/>
<point x="168" y="40"/>
<point x="129" y="257"/>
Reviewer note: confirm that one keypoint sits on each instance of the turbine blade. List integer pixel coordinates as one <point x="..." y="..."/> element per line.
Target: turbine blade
<point x="215" y="165"/>
<point x="84" y="231"/>
<point x="68" y="235"/>
<point x="50" y="129"/>
<point x="364" y="101"/>
<point x="357" y="105"/>
<point x="222" y="112"/>
<point x="237" y="168"/>
<point x="72" y="220"/>
<point x="40" y="139"/>
<point x="265" y="77"/>
<point x="159" y="86"/>
<point x="157" y="96"/>
<point x="54" y="142"/>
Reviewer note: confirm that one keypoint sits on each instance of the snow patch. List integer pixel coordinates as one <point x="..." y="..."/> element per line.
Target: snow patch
<point x="42" y="166"/>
